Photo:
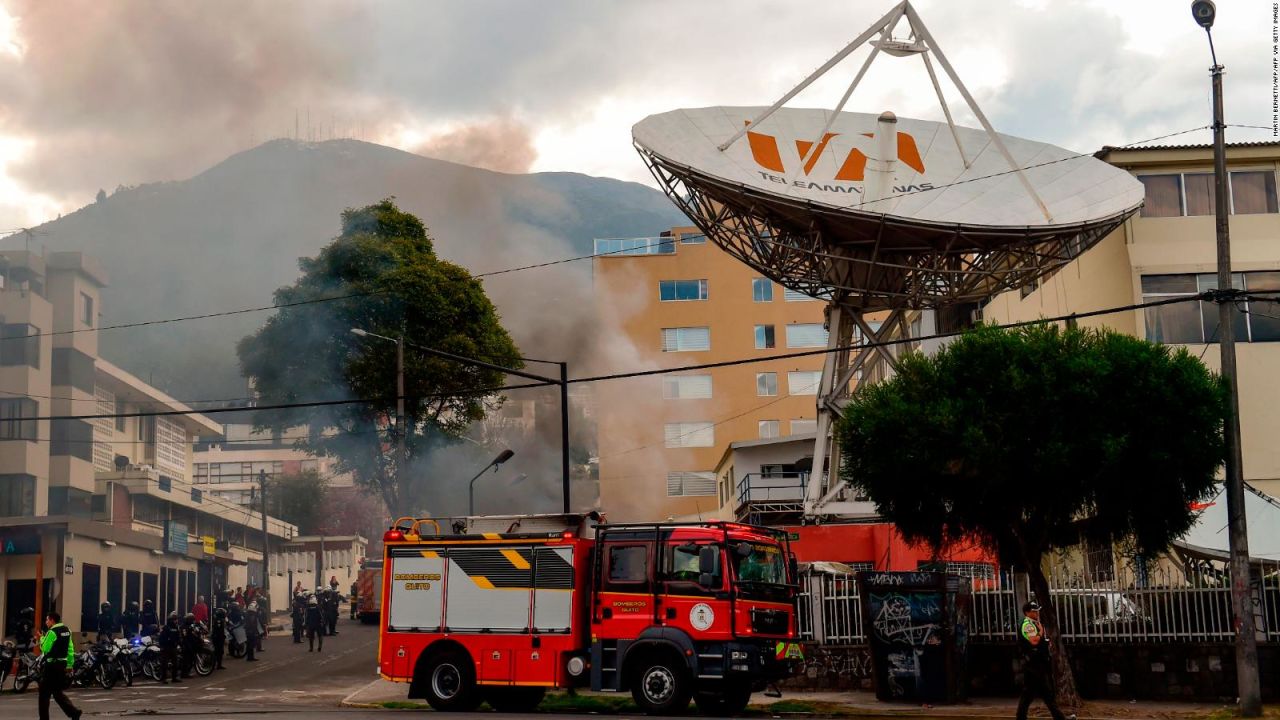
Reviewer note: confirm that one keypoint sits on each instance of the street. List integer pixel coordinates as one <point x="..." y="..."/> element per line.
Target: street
<point x="285" y="678"/>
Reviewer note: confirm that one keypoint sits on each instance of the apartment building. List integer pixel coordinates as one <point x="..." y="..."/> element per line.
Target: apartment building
<point x="679" y="300"/>
<point x="99" y="509"/>
<point x="229" y="466"/>
<point x="1168" y="250"/>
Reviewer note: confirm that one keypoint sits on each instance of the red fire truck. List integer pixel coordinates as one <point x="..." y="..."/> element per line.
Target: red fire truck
<point x="369" y="591"/>
<point x="505" y="608"/>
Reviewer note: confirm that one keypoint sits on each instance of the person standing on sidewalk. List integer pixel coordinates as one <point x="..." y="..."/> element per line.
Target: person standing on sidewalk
<point x="252" y="632"/>
<point x="218" y="635"/>
<point x="1037" y="672"/>
<point x="59" y="655"/>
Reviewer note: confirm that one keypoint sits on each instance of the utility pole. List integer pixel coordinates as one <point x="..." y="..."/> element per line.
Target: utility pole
<point x="564" y="436"/>
<point x="402" y="457"/>
<point x="266" y="539"/>
<point x="1247" y="681"/>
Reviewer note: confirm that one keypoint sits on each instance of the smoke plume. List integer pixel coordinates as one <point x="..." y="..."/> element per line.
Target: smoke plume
<point x="502" y="144"/>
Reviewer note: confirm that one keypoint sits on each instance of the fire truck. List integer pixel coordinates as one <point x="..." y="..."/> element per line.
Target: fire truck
<point x="369" y="591"/>
<point x="503" y="608"/>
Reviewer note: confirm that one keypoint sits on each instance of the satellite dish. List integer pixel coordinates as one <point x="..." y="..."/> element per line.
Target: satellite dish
<point x="121" y="462"/>
<point x="879" y="213"/>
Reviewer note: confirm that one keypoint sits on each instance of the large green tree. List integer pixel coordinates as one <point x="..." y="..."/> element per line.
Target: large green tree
<point x="1031" y="439"/>
<point x="298" y="498"/>
<point x="384" y="259"/>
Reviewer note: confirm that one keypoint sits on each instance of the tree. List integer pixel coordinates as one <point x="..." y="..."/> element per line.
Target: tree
<point x="102" y="195"/>
<point x="1031" y="440"/>
<point x="298" y="499"/>
<point x="394" y="285"/>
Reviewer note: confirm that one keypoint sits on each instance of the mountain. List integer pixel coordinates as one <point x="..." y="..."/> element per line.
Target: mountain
<point x="228" y="237"/>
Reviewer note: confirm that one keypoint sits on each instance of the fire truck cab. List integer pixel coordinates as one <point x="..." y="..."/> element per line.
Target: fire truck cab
<point x="504" y="608"/>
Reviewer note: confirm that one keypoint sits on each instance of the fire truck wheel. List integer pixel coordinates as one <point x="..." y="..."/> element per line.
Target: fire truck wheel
<point x="451" y="682"/>
<point x="723" y="702"/>
<point x="514" y="699"/>
<point x="661" y="685"/>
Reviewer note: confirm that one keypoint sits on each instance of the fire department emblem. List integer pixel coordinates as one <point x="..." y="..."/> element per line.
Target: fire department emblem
<point x="701" y="616"/>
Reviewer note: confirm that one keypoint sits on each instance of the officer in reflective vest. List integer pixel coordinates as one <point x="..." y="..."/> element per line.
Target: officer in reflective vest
<point x="59" y="655"/>
<point x="1037" y="673"/>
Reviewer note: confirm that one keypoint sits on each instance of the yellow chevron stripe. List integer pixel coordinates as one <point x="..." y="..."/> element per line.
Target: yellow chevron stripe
<point x="515" y="559"/>
<point x="483" y="582"/>
<point x="430" y="554"/>
<point x="491" y="536"/>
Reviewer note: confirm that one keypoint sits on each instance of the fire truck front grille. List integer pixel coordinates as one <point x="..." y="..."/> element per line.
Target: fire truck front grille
<point x="769" y="622"/>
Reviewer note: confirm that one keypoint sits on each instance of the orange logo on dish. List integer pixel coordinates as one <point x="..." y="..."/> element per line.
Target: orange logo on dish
<point x="764" y="149"/>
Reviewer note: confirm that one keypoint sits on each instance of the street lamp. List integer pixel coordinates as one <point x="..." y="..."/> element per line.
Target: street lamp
<point x="496" y="463"/>
<point x="1247" y="683"/>
<point x="401" y="455"/>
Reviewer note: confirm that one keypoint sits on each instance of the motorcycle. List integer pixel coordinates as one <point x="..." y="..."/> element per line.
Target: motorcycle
<point x="117" y="661"/>
<point x="237" y="640"/>
<point x="8" y="652"/>
<point x="30" y="667"/>
<point x="146" y="658"/>
<point x="90" y="667"/>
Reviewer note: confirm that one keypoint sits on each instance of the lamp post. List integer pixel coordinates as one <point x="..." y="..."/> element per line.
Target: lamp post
<point x="401" y="455"/>
<point x="1247" y="682"/>
<point x="496" y="463"/>
<point x="562" y="381"/>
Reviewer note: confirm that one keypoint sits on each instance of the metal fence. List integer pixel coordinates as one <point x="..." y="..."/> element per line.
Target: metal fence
<point x="1163" y="603"/>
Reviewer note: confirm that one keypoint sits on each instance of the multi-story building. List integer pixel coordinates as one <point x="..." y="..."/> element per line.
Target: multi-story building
<point x="1168" y="250"/>
<point x="229" y="466"/>
<point x="100" y="508"/>
<point x="678" y="300"/>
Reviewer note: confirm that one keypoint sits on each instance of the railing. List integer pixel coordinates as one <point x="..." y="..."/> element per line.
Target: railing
<point x="1165" y="603"/>
<point x="770" y="493"/>
<point x="635" y="246"/>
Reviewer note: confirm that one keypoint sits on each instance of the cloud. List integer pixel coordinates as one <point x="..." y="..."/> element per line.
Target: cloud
<point x="135" y="91"/>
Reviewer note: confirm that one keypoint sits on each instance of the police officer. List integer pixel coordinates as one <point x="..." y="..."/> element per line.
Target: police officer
<point x="315" y="624"/>
<point x="59" y="655"/>
<point x="355" y="596"/>
<point x="190" y="643"/>
<point x="251" y="631"/>
<point x="1037" y="673"/>
<point x="332" y="601"/>
<point x="297" y="613"/>
<point x="218" y="631"/>
<point x="106" y="622"/>
<point x="149" y="620"/>
<point x="129" y="620"/>
<point x="24" y="632"/>
<point x="170" y="638"/>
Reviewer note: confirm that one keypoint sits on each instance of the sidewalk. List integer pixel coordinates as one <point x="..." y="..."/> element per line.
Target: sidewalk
<point x="382" y="693"/>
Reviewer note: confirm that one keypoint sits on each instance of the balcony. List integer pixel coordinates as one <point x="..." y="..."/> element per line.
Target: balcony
<point x="635" y="246"/>
<point x="765" y="498"/>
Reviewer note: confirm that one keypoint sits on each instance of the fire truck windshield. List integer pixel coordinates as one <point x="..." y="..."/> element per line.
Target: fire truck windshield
<point x="759" y="564"/>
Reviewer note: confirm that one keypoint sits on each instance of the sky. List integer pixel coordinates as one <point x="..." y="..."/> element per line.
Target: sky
<point x="94" y="95"/>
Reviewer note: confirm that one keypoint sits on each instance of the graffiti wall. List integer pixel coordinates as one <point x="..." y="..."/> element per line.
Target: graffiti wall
<point x="916" y="624"/>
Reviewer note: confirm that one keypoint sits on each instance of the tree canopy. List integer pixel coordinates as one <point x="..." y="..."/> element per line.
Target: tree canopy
<point x="1033" y="439"/>
<point x="299" y="498"/>
<point x="392" y="283"/>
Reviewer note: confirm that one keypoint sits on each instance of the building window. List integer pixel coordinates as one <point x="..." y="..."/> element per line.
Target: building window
<point x="686" y="339"/>
<point x="691" y="484"/>
<point x="676" y="290"/>
<point x="86" y="309"/>
<point x="17" y="495"/>
<point x="1196" y="322"/>
<point x="770" y="429"/>
<point x="761" y="290"/>
<point x="120" y="410"/>
<point x="20" y="345"/>
<point x="1190" y="194"/>
<point x="803" y="382"/>
<point x="686" y="387"/>
<point x="789" y="295"/>
<point x="689" y="434"/>
<point x="17" y="419"/>
<point x="764" y="337"/>
<point x="692" y="238"/>
<point x="806" y="335"/>
<point x="766" y="384"/>
<point x="801" y="426"/>
<point x="1253" y="192"/>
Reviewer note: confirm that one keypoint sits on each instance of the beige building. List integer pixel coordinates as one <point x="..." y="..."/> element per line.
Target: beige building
<point x="228" y="466"/>
<point x="678" y="300"/>
<point x="100" y="508"/>
<point x="1168" y="250"/>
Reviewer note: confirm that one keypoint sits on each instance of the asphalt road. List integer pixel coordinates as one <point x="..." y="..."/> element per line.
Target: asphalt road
<point x="286" y="680"/>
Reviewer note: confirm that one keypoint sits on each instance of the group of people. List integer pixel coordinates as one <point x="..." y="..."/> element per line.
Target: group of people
<point x="315" y="614"/>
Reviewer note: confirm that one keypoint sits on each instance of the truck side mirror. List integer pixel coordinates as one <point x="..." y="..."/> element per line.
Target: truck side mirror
<point x="794" y="567"/>
<point x="708" y="565"/>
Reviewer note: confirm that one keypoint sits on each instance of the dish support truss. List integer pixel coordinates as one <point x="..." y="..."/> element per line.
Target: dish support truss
<point x="864" y="262"/>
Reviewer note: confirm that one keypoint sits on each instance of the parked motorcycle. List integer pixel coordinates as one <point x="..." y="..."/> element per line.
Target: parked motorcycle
<point x="237" y="640"/>
<point x="118" y="664"/>
<point x="30" y="667"/>
<point x="146" y="657"/>
<point x="8" y="653"/>
<point x="90" y="668"/>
